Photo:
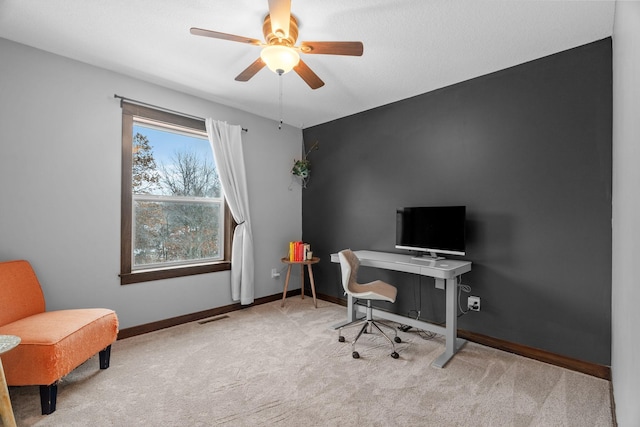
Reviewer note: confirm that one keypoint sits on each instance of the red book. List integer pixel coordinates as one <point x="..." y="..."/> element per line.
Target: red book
<point x="299" y="249"/>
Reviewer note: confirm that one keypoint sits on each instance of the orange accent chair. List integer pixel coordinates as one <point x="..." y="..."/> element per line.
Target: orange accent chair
<point x="53" y="343"/>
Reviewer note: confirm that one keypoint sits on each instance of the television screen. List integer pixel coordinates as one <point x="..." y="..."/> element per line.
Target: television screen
<point x="431" y="229"/>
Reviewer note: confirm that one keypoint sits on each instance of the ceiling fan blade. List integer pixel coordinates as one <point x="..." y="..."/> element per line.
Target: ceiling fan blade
<point x="307" y="75"/>
<point x="251" y="70"/>
<point x="280" y="12"/>
<point x="224" y="36"/>
<point x="333" y="48"/>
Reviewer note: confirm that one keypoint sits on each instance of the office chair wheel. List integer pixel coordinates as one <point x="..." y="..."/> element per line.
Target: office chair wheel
<point x="395" y="355"/>
<point x="397" y="339"/>
<point x="355" y="355"/>
<point x="340" y="338"/>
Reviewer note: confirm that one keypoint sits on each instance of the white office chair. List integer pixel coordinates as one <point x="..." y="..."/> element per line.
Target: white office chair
<point x="376" y="290"/>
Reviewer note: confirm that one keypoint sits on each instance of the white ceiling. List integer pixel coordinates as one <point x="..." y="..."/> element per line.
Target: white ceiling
<point x="410" y="46"/>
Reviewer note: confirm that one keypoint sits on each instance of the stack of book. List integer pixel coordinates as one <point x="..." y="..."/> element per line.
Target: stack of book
<point x="298" y="251"/>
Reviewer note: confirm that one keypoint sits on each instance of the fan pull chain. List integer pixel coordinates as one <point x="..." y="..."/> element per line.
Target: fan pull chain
<point x="280" y="99"/>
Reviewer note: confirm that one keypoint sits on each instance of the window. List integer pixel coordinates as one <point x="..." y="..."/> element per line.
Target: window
<point x="175" y="221"/>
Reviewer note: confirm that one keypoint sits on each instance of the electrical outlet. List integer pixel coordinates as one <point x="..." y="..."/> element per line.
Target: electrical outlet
<point x="473" y="303"/>
<point x="274" y="273"/>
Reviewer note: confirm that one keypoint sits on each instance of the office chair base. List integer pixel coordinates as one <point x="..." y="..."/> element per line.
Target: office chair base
<point x="359" y="322"/>
<point x="356" y="355"/>
<point x="367" y="326"/>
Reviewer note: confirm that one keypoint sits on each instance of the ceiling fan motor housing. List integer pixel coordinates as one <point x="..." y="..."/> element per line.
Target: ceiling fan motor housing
<point x="278" y="39"/>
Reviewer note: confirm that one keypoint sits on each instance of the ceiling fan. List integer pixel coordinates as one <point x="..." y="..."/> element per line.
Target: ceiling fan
<point x="279" y="52"/>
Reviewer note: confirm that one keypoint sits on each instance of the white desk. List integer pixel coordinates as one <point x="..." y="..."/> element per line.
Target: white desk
<point x="445" y="273"/>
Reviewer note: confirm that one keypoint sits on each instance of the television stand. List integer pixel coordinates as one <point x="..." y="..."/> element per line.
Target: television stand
<point x="431" y="256"/>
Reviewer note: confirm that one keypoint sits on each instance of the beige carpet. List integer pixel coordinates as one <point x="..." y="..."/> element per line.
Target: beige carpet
<point x="268" y="365"/>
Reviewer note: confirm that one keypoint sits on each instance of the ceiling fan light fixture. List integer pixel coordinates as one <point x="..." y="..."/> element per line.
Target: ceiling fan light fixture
<point x="280" y="59"/>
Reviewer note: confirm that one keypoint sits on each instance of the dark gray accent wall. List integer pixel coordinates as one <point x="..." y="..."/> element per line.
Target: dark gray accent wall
<point x="528" y="151"/>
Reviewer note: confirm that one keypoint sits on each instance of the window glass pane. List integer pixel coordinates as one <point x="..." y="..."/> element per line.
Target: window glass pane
<point x="173" y="163"/>
<point x="176" y="232"/>
<point x="177" y="197"/>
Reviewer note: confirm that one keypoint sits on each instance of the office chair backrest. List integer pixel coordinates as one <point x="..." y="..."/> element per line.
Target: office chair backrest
<point x="348" y="267"/>
<point x="349" y="264"/>
<point x="377" y="289"/>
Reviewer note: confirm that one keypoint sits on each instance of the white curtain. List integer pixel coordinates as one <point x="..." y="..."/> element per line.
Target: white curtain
<point x="226" y="141"/>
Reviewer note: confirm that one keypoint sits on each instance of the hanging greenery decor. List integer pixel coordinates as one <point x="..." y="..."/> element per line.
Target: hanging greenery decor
<point x="302" y="168"/>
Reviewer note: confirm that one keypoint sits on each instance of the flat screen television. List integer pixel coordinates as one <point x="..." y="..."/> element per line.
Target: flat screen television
<point x="431" y="230"/>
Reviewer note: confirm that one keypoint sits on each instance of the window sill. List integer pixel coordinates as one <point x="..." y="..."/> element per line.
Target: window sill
<point x="169" y="273"/>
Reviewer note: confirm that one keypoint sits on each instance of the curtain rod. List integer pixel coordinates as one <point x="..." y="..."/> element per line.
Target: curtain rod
<point x="145" y="104"/>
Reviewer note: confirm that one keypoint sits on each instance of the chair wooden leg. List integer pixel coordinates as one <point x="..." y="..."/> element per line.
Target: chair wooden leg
<point x="105" y="357"/>
<point x="48" y="394"/>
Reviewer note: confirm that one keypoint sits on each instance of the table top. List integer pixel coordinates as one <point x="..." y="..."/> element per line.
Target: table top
<point x="442" y="269"/>
<point x="7" y="342"/>
<point x="313" y="260"/>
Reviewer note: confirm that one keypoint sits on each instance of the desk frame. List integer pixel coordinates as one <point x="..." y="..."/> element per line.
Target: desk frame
<point x="445" y="272"/>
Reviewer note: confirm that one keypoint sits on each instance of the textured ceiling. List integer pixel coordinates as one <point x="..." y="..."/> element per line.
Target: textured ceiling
<point x="410" y="46"/>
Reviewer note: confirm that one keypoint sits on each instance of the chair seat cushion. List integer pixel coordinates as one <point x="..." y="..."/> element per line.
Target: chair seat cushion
<point x="376" y="290"/>
<point x="54" y="343"/>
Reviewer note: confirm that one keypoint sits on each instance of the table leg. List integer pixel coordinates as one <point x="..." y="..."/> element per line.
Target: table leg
<point x="6" y="412"/>
<point x="313" y="285"/>
<point x="286" y="285"/>
<point x="302" y="280"/>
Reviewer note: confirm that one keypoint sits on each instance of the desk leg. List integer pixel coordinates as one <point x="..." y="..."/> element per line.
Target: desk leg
<point x="313" y="285"/>
<point x="351" y="310"/>
<point x="351" y="314"/>
<point x="451" y="333"/>
<point x="6" y="412"/>
<point x="286" y="285"/>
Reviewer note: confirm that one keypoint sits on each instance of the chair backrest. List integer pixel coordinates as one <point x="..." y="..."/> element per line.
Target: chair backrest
<point x="349" y="264"/>
<point x="378" y="290"/>
<point x="20" y="292"/>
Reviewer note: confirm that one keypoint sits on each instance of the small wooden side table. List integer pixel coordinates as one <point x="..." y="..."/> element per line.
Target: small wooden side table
<point x="7" y="342"/>
<point x="308" y="263"/>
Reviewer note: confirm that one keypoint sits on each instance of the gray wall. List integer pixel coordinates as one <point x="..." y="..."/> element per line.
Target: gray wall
<point x="528" y="151"/>
<point x="60" y="144"/>
<point x="625" y="351"/>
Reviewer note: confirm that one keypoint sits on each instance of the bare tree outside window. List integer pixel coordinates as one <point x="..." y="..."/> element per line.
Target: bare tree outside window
<point x="179" y="207"/>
